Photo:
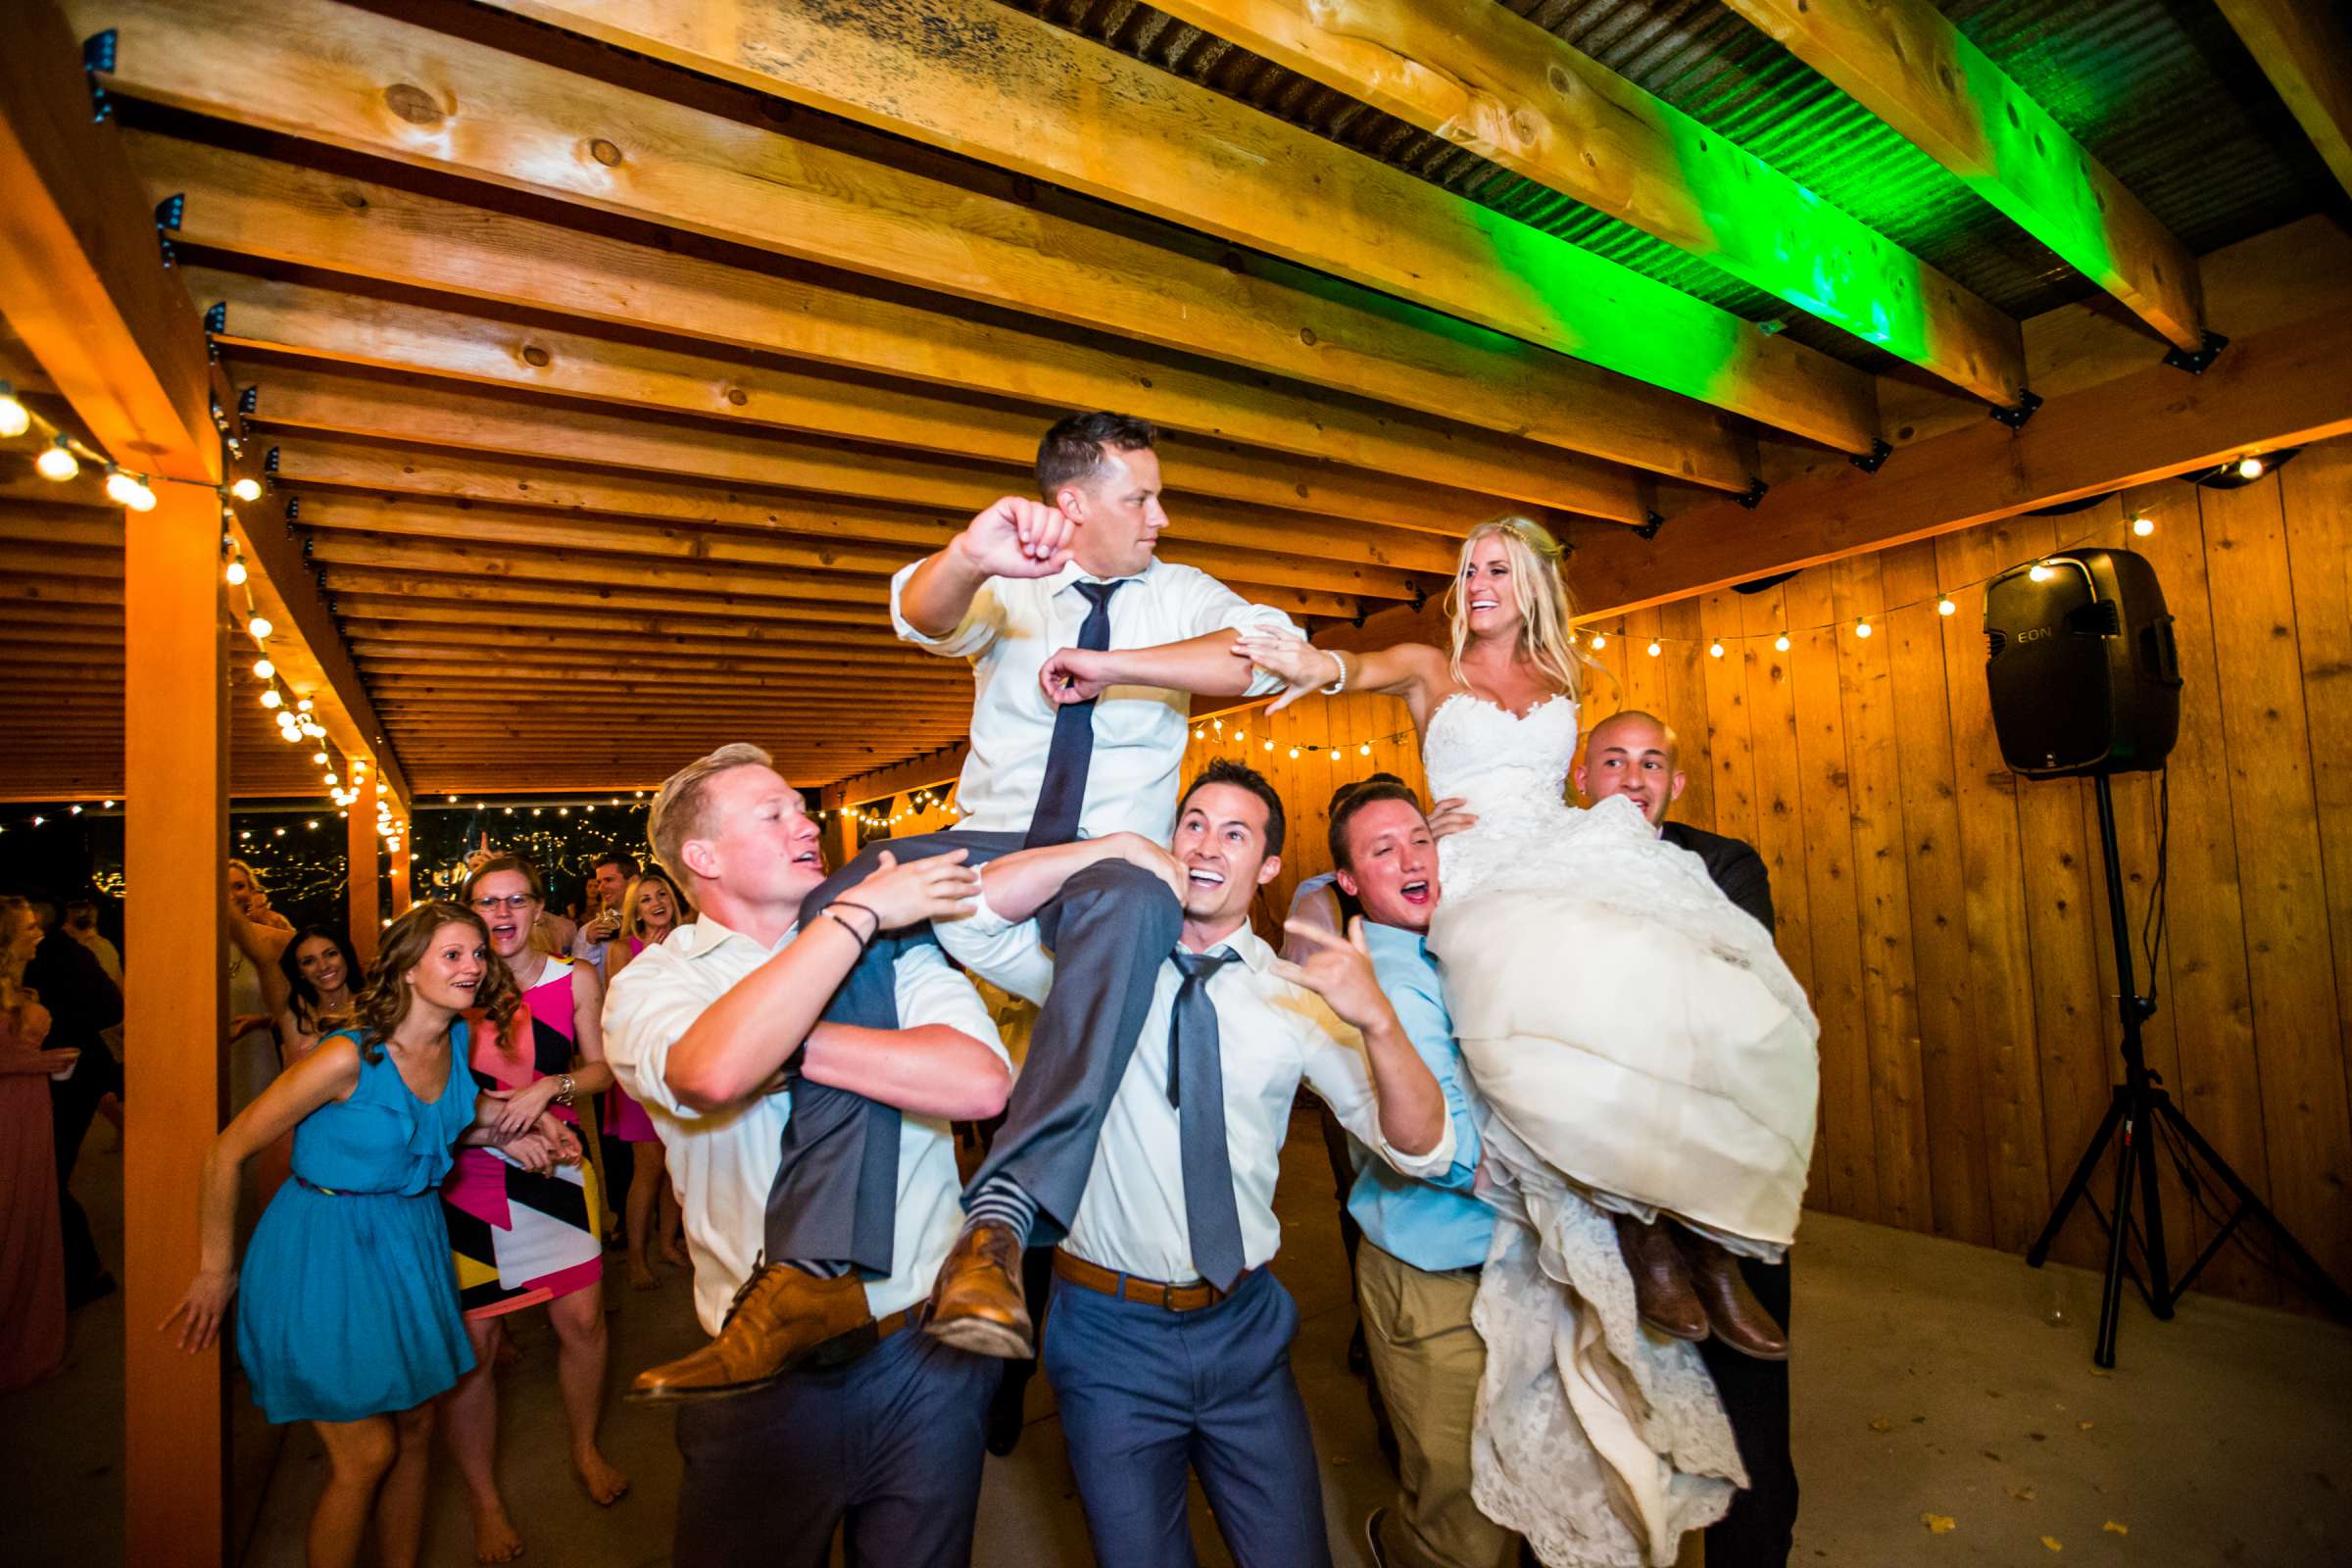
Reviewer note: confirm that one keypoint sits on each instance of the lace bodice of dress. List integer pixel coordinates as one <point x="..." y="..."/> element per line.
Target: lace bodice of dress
<point x="1511" y="772"/>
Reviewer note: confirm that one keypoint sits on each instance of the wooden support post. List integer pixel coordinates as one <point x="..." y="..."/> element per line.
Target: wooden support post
<point x="174" y="854"/>
<point x="361" y="849"/>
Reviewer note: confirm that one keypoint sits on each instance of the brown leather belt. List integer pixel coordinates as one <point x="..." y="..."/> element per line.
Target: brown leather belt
<point x="861" y="1341"/>
<point x="1151" y="1293"/>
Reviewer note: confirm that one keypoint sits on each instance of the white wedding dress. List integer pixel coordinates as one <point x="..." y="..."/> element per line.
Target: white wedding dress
<point x="1637" y="1044"/>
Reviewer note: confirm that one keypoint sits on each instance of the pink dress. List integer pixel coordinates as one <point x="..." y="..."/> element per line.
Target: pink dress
<point x="625" y="1118"/>
<point x="33" y="1257"/>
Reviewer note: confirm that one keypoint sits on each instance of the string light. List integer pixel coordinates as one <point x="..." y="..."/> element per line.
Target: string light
<point x="261" y="628"/>
<point x="1714" y="649"/>
<point x="246" y="490"/>
<point x="14" y="417"/>
<point x="304" y="705"/>
<point x="263" y="669"/>
<point x="1293" y="753"/>
<point x="2249" y="467"/>
<point x="127" y="489"/>
<point x="1861" y="628"/>
<point x="1655" y="649"/>
<point x="270" y="699"/>
<point x="1365" y="750"/>
<point x="1270" y="747"/>
<point x="2143" y="526"/>
<point x="1781" y="642"/>
<point x="1946" y="606"/>
<point x="1600" y="642"/>
<point x="2039" y="573"/>
<point x="57" y="461"/>
<point x="235" y="574"/>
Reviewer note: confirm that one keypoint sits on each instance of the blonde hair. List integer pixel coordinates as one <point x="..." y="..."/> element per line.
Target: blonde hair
<point x="682" y="805"/>
<point x="633" y="919"/>
<point x="13" y="994"/>
<point x="1540" y="588"/>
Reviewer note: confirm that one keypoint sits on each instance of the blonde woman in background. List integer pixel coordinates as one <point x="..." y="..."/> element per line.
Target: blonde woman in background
<point x="651" y="909"/>
<point x="258" y="939"/>
<point x="32" y="1258"/>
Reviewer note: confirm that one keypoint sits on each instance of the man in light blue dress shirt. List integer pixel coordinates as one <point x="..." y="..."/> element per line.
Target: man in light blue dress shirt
<point x="1424" y="1238"/>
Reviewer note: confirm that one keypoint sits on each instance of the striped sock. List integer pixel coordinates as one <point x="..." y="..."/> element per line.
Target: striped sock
<point x="1002" y="1201"/>
<point x="822" y="1269"/>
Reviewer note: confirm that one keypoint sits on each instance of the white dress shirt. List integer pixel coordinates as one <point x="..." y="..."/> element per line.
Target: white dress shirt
<point x="1271" y="1034"/>
<point x="1014" y="625"/>
<point x="724" y="1161"/>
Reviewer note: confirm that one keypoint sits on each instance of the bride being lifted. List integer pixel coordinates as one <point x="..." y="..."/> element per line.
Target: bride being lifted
<point x="1642" y="1049"/>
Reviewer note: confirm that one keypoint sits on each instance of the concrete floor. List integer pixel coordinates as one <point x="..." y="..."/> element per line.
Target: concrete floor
<point x="1929" y="1382"/>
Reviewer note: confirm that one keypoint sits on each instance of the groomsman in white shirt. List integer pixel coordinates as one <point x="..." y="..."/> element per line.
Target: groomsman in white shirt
<point x="879" y="1434"/>
<point x="1085" y="650"/>
<point x="1168" y="1342"/>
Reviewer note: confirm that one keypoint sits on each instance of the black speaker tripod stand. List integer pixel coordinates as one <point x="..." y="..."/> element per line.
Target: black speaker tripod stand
<point x="2143" y="1115"/>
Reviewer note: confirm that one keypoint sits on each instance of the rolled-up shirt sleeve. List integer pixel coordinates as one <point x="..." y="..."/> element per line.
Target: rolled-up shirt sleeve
<point x="1211" y="606"/>
<point x="1337" y="1070"/>
<point x="648" y="1010"/>
<point x="972" y="636"/>
<point x="1009" y="954"/>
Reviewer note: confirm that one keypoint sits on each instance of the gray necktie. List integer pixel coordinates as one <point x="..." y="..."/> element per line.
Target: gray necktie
<point x="1197" y="1089"/>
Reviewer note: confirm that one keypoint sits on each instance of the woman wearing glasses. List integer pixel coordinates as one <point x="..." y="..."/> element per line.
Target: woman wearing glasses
<point x="522" y="1238"/>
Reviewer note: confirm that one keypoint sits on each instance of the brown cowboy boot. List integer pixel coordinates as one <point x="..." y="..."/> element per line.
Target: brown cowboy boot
<point x="976" y="1303"/>
<point x="778" y="1316"/>
<point x="1663" y="1291"/>
<point x="1737" y="1318"/>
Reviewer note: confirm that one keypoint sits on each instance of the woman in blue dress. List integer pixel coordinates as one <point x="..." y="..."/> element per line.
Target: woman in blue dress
<point x="350" y="1317"/>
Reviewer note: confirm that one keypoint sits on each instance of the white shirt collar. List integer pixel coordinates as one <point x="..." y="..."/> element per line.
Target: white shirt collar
<point x="1074" y="573"/>
<point x="709" y="934"/>
<point x="1246" y="944"/>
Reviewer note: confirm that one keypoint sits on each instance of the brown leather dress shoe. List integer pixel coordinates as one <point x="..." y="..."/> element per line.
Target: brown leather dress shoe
<point x="976" y="1303"/>
<point x="1737" y="1318"/>
<point x="778" y="1316"/>
<point x="1663" y="1291"/>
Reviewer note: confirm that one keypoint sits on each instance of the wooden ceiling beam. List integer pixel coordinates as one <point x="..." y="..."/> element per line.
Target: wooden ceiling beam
<point x="907" y="671"/>
<point x="1479" y="76"/>
<point x="23" y="582"/>
<point x="299" y="321"/>
<point x="605" y="536"/>
<point x="429" y="413"/>
<point x="89" y="291"/>
<point x="990" y="82"/>
<point x="1904" y="62"/>
<point x="2306" y="50"/>
<point x="374" y="615"/>
<point x="451" y="581"/>
<point x="331" y="68"/>
<point x="2282" y="387"/>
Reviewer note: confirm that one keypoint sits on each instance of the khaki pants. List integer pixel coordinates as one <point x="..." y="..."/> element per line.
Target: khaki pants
<point x="1428" y="1359"/>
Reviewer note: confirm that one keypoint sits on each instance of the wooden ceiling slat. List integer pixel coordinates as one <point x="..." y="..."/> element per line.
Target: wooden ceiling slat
<point x="436" y="415"/>
<point x="1490" y="81"/>
<point x="2306" y="50"/>
<point x="994" y="83"/>
<point x="490" y="526"/>
<point x="330" y="68"/>
<point x="381" y="615"/>
<point x="467" y="586"/>
<point x="295" y="319"/>
<point x="1907" y="64"/>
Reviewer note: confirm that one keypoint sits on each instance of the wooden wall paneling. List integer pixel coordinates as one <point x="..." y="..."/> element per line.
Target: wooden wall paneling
<point x="2318" y="502"/>
<point x="1882" y="897"/>
<point x="1851" y="1179"/>
<point x="2219" y="1083"/>
<point x="1686" y="663"/>
<point x="2003" y="1030"/>
<point x="1780" y="835"/>
<point x="2062" y="911"/>
<point x="1644" y="674"/>
<point x="2291" y="962"/>
<point x="1728" y="754"/>
<point x="1951" y="1085"/>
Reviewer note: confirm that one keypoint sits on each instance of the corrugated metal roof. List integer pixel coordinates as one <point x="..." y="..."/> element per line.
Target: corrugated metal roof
<point x="2160" y="91"/>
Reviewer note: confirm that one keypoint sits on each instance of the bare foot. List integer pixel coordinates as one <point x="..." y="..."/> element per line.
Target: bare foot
<point x="493" y="1536"/>
<point x="642" y="1278"/>
<point x="606" y="1485"/>
<point x="676" y="1251"/>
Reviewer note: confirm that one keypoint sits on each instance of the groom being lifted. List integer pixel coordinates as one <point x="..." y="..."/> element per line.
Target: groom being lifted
<point x="1085" y="650"/>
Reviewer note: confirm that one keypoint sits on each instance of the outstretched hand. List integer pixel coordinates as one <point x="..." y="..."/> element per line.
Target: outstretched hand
<point x="1016" y="537"/>
<point x="1338" y="969"/>
<point x="201" y="1309"/>
<point x="939" y="887"/>
<point x="1303" y="668"/>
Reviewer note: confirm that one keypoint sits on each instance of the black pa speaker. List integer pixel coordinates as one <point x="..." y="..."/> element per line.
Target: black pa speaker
<point x="2079" y="656"/>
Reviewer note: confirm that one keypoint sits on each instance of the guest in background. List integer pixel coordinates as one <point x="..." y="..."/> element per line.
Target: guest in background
<point x="257" y="940"/>
<point x="651" y="910"/>
<point x="312" y="985"/>
<point x="526" y="1238"/>
<point x="82" y="924"/>
<point x="32" y="1258"/>
<point x="1636" y="755"/>
<point x="608" y="880"/>
<point x="349" y="1316"/>
<point x="83" y="1003"/>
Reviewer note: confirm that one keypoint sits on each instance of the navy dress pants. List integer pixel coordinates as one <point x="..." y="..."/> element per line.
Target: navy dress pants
<point x="1146" y="1393"/>
<point x="887" y="1450"/>
<point x="1761" y="1527"/>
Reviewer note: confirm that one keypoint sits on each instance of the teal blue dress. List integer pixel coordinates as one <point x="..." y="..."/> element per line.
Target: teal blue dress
<point x="349" y="1302"/>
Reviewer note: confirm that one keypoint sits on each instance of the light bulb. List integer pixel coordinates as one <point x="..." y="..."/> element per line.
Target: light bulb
<point x="1861" y="628"/>
<point x="107" y="805"/>
<point x="1600" y="642"/>
<point x="263" y="669"/>
<point x="1655" y="649"/>
<point x="1293" y="753"/>
<point x="2039" y="573"/>
<point x="1270" y="746"/>
<point x="2143" y="526"/>
<point x="319" y="756"/>
<point x="2248" y="468"/>
<point x="1365" y="750"/>
<point x="270" y="699"/>
<point x="246" y="490"/>
<point x="1198" y="733"/>
<point x="58" y="463"/>
<point x="277" y="833"/>
<point x="1946" y="606"/>
<point x="312" y="824"/>
<point x="235" y="574"/>
<point x="1335" y="754"/>
<point x="77" y="811"/>
<point x="261" y="628"/>
<point x="128" y="490"/>
<point x="333" y="779"/>
<point x="1241" y="735"/>
<point x="14" y="420"/>
<point x="1781" y="642"/>
<point x="1714" y="649"/>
